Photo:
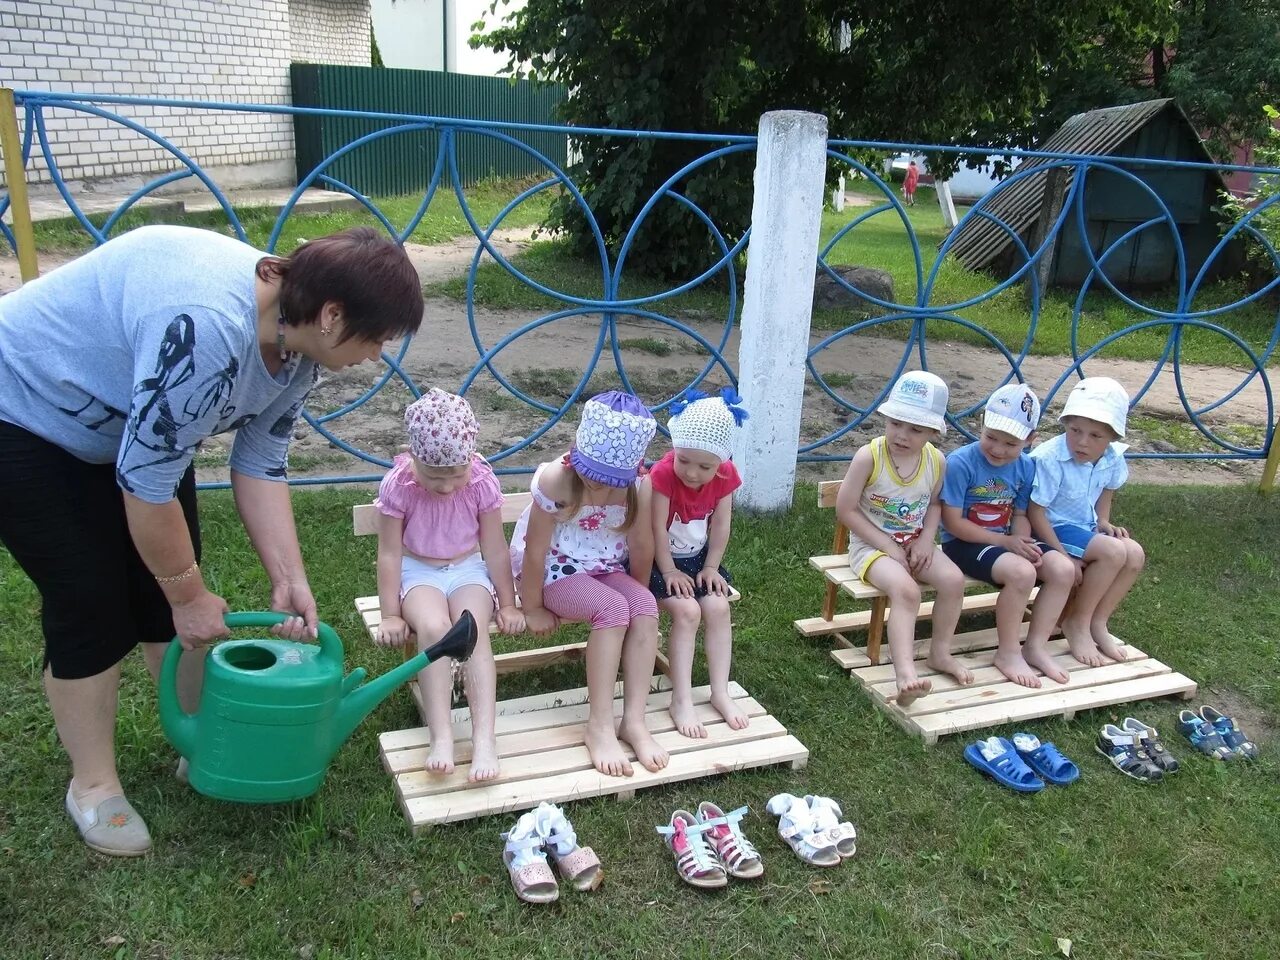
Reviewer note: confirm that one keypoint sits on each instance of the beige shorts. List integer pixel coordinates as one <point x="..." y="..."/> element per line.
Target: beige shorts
<point x="862" y="555"/>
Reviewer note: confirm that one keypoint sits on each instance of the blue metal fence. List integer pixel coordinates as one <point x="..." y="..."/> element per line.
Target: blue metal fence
<point x="921" y="313"/>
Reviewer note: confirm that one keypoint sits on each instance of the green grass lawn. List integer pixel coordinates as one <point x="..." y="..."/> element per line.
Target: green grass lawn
<point x="442" y="222"/>
<point x="882" y="242"/>
<point x="949" y="865"/>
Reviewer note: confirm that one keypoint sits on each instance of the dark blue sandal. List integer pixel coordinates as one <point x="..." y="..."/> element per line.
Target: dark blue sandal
<point x="1203" y="736"/>
<point x="996" y="758"/>
<point x="1045" y="759"/>
<point x="1231" y="734"/>
<point x="1125" y="751"/>
<point x="1151" y="743"/>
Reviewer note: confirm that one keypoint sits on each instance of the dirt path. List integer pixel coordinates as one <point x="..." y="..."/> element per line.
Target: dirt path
<point x="547" y="362"/>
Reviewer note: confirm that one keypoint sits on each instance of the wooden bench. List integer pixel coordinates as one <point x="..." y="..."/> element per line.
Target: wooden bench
<point x="364" y="518"/>
<point x="841" y="579"/>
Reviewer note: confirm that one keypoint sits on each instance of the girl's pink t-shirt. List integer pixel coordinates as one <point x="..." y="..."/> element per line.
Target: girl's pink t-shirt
<point x="437" y="527"/>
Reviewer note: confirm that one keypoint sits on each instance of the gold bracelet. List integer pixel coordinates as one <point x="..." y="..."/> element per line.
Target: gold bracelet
<point x="189" y="572"/>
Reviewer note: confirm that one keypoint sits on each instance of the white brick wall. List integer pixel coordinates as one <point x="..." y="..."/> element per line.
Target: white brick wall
<point x="235" y="51"/>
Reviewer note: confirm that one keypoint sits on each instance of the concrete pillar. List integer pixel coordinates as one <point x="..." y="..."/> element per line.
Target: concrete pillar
<point x="837" y="194"/>
<point x="786" y="217"/>
<point x="943" y="190"/>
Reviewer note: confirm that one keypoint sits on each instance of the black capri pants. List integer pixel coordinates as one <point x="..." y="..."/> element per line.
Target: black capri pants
<point x="63" y="521"/>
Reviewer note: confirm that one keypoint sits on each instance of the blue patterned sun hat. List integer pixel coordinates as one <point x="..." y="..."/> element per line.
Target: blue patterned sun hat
<point x="611" y="441"/>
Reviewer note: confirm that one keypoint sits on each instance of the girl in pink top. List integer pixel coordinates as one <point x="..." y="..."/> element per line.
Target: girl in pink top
<point x="441" y="550"/>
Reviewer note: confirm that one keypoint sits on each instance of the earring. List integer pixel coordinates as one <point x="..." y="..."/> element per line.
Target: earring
<point x="325" y="331"/>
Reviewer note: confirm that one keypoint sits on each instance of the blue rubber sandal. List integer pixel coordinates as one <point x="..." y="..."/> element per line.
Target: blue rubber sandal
<point x="1232" y="735"/>
<point x="1046" y="760"/>
<point x="996" y="758"/>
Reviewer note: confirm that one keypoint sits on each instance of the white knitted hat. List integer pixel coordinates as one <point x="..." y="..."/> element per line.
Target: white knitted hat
<point x="706" y="423"/>
<point x="1014" y="409"/>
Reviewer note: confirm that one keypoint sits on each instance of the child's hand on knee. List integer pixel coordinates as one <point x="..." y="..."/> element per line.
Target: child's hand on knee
<point x="540" y="621"/>
<point x="711" y="581"/>
<point x="392" y="632"/>
<point x="679" y="584"/>
<point x="919" y="556"/>
<point x="1024" y="547"/>
<point x="510" y="620"/>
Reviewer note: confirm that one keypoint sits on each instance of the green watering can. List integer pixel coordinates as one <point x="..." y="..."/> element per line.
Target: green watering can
<point x="273" y="712"/>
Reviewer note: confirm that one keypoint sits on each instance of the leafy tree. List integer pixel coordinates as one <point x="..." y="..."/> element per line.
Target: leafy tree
<point x="931" y="72"/>
<point x="1266" y="187"/>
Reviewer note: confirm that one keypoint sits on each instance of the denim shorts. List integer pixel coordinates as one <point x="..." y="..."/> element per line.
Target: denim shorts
<point x="447" y="578"/>
<point x="1075" y="538"/>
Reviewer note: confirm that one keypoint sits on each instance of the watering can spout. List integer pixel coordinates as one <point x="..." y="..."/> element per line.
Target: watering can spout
<point x="358" y="701"/>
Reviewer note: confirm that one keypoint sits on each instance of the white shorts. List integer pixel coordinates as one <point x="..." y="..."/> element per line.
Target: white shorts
<point x="447" y="578"/>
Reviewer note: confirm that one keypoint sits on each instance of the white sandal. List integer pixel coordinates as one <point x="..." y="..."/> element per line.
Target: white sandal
<point x="826" y="815"/>
<point x="579" y="865"/>
<point x="796" y="825"/>
<point x="736" y="852"/>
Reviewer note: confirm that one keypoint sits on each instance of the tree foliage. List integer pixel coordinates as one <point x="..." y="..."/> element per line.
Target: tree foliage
<point x="1265" y="187"/>
<point x="941" y="71"/>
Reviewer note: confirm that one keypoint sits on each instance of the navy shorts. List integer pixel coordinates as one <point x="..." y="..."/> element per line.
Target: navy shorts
<point x="977" y="560"/>
<point x="690" y="565"/>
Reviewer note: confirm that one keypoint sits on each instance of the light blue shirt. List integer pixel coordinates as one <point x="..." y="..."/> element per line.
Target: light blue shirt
<point x="1068" y="490"/>
<point x="142" y="348"/>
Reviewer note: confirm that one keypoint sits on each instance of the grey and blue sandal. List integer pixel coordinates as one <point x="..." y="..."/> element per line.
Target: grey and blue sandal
<point x="1232" y="735"/>
<point x="1126" y="753"/>
<point x="1202" y="735"/>
<point x="1152" y="743"/>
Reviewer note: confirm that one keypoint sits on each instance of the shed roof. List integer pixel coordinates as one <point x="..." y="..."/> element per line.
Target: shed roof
<point x="1096" y="132"/>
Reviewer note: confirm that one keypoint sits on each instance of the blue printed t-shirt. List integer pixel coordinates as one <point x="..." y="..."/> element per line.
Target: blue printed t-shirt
<point x="142" y="348"/>
<point x="986" y="494"/>
<point x="1069" y="491"/>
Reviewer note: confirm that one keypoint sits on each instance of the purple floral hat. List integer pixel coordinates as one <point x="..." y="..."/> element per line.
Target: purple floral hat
<point x="612" y="438"/>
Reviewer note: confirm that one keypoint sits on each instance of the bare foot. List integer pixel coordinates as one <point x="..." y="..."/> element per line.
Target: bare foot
<point x="911" y="688"/>
<point x="651" y="756"/>
<point x="440" y="759"/>
<point x="1017" y="669"/>
<point x="1040" y="658"/>
<point x="686" y="720"/>
<point x="1081" y="644"/>
<point x="732" y="713"/>
<point x="606" y="752"/>
<point x="1108" y="645"/>
<point x="484" y="760"/>
<point x="948" y="664"/>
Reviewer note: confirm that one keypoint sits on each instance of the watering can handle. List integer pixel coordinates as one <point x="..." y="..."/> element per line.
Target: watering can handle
<point x="330" y="643"/>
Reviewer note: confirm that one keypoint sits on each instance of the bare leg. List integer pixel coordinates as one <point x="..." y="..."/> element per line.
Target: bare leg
<point x="639" y="650"/>
<point x="604" y="651"/>
<point x="481" y="681"/>
<point x="1057" y="576"/>
<point x="1016" y="577"/>
<point x="84" y="712"/>
<point x="1135" y="559"/>
<point x="685" y="615"/>
<point x="904" y="605"/>
<point x="1104" y="559"/>
<point x="948" y="582"/>
<point x="717" y="638"/>
<point x="426" y="610"/>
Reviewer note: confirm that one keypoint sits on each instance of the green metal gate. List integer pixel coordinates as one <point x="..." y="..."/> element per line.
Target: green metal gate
<point x="403" y="163"/>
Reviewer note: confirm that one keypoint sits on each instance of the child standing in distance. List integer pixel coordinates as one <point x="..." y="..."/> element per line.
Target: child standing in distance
<point x="889" y="501"/>
<point x="910" y="182"/>
<point x="692" y="508"/>
<point x="569" y="552"/>
<point x="987" y="535"/>
<point x="441" y="550"/>
<point x="1077" y="475"/>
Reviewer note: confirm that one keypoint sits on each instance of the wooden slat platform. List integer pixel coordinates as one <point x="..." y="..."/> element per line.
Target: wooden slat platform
<point x="540" y="745"/>
<point x="992" y="700"/>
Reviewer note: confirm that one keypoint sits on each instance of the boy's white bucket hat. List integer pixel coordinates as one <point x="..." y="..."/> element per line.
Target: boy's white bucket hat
<point x="918" y="397"/>
<point x="1101" y="399"/>
<point x="1013" y="409"/>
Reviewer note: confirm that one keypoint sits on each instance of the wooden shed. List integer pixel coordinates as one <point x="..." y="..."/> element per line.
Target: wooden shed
<point x="1113" y="204"/>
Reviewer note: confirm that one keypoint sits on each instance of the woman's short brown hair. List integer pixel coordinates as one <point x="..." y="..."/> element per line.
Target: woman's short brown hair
<point x="366" y="272"/>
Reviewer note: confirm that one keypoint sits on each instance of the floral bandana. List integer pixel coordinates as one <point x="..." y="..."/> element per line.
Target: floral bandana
<point x="614" y="434"/>
<point x="442" y="429"/>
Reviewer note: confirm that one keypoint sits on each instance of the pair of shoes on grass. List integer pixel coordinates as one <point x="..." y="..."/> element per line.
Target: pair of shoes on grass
<point x="1216" y="735"/>
<point x="812" y="827"/>
<point x="540" y="838"/>
<point x="1136" y="750"/>
<point x="709" y="846"/>
<point x="1022" y="764"/>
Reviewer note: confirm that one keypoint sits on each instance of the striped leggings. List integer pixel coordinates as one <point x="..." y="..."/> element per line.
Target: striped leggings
<point x="605" y="600"/>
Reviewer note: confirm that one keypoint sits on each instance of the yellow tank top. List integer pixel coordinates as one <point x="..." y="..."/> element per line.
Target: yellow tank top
<point x="897" y="505"/>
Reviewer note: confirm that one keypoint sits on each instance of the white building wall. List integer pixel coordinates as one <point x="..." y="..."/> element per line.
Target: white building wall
<point x="231" y="51"/>
<point x="436" y="34"/>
